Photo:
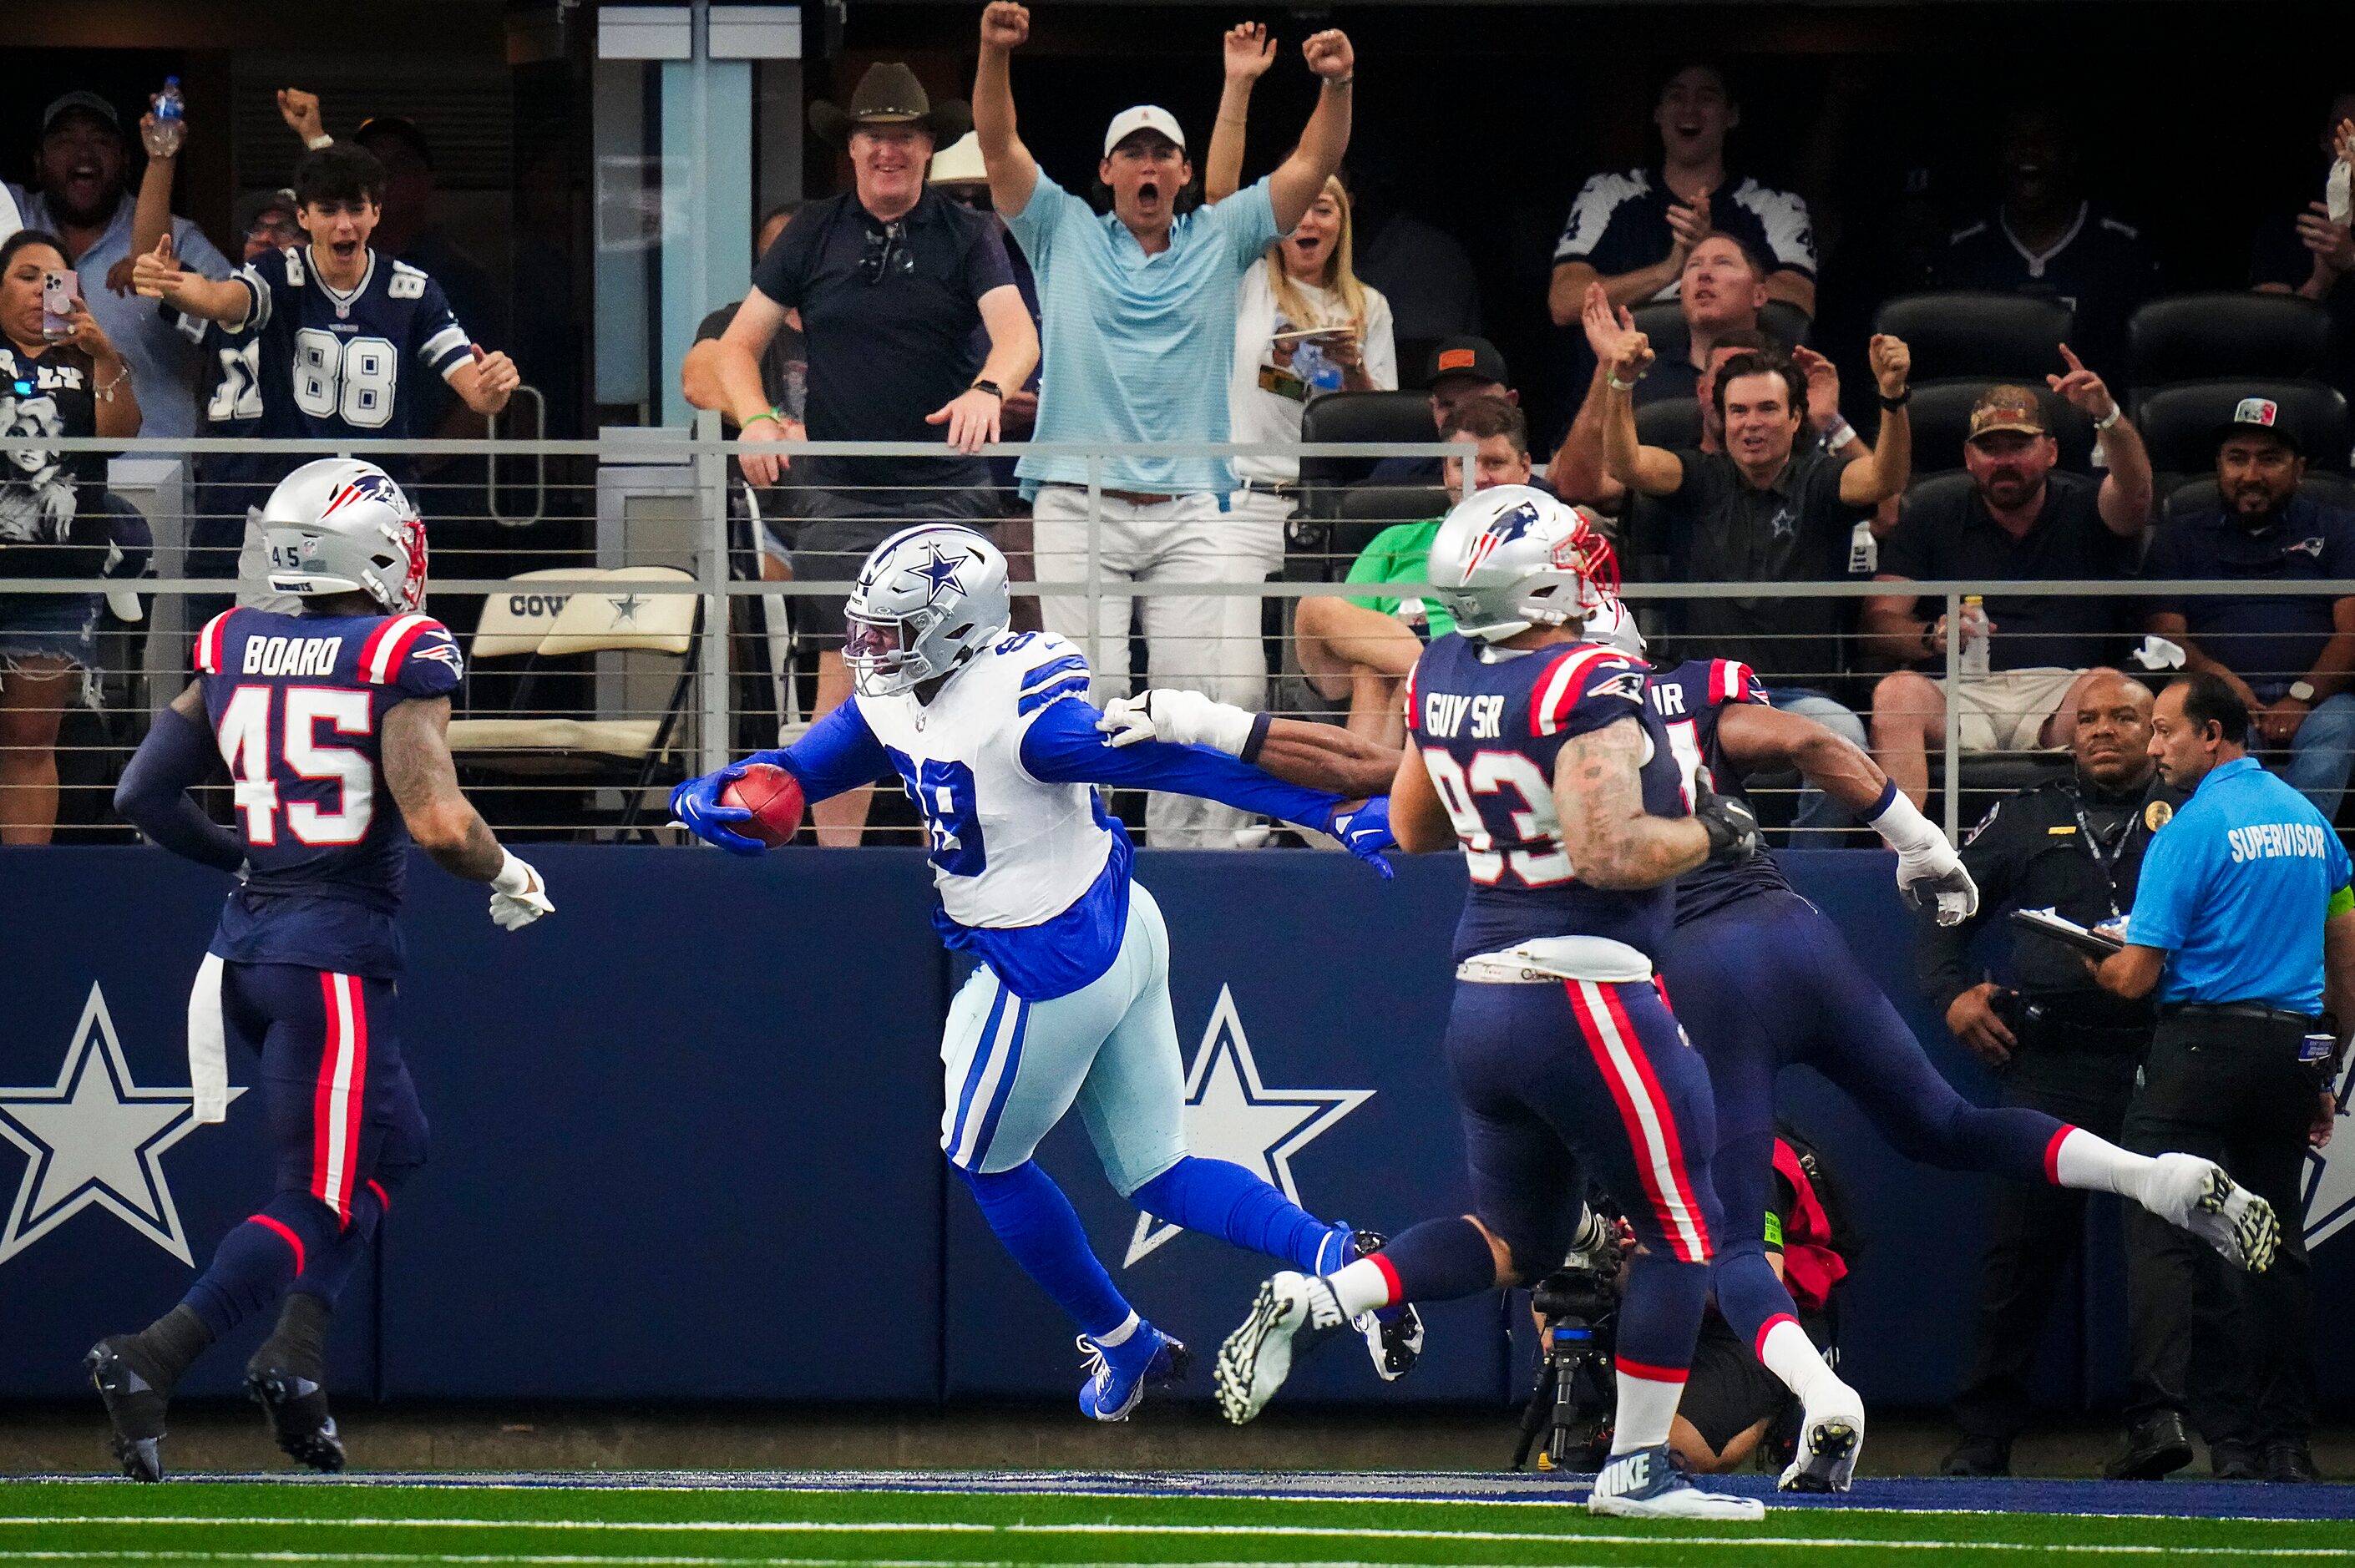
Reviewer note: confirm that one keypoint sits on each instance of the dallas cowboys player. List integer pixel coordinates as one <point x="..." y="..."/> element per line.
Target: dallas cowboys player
<point x="320" y="717"/>
<point x="1541" y="755"/>
<point x="995" y="739"/>
<point x="339" y="320"/>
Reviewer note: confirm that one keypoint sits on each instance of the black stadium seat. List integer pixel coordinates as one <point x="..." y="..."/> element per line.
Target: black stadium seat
<point x="2197" y="337"/>
<point x="2179" y="423"/>
<point x="1369" y="509"/>
<point x="2006" y="338"/>
<point x="1942" y="422"/>
<point x="1670" y="423"/>
<point x="1356" y="416"/>
<point x="1663" y="322"/>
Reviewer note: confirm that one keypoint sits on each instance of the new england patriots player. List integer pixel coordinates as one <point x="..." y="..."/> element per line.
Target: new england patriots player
<point x="994" y="738"/>
<point x="325" y="719"/>
<point x="339" y="322"/>
<point x="1540" y="754"/>
<point x="1764" y="979"/>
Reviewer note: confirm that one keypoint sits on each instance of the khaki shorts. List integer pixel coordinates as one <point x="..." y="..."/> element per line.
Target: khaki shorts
<point x="2005" y="710"/>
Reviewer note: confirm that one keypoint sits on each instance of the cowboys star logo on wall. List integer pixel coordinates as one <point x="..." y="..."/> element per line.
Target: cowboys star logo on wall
<point x="95" y="1137"/>
<point x="2330" y="1178"/>
<point x="1231" y="1116"/>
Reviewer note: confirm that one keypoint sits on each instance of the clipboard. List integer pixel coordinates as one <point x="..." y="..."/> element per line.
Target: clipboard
<point x="2045" y="923"/>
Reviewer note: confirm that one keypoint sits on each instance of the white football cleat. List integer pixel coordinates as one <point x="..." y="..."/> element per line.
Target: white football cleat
<point x="2197" y="1196"/>
<point x="1647" y="1484"/>
<point x="1257" y="1357"/>
<point x="1831" y="1436"/>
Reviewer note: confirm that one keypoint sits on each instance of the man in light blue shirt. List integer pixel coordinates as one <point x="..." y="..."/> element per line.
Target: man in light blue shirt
<point x="2245" y="924"/>
<point x="1137" y="313"/>
<point x="82" y="200"/>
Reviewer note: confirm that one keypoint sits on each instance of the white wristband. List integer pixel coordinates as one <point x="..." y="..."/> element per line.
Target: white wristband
<point x="321" y="140"/>
<point x="1841" y="435"/>
<point x="1903" y="827"/>
<point x="514" y="876"/>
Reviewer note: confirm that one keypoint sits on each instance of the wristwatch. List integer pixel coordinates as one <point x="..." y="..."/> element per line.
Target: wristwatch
<point x="2303" y="691"/>
<point x="992" y="387"/>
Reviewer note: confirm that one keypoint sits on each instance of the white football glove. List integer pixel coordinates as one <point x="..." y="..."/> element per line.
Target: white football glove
<point x="1181" y="718"/>
<point x="518" y="894"/>
<point x="1930" y="874"/>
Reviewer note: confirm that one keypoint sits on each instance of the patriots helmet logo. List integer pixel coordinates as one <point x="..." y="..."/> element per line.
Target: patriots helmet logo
<point x="1503" y="530"/>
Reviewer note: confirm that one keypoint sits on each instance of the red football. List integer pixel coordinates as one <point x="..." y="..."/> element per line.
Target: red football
<point x="774" y="797"/>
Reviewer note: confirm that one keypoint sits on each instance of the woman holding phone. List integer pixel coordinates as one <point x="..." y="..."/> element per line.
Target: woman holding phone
<point x="60" y="376"/>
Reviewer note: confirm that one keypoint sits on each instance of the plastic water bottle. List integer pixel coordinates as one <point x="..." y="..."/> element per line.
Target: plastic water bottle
<point x="171" y="120"/>
<point x="1310" y="364"/>
<point x="1974" y="658"/>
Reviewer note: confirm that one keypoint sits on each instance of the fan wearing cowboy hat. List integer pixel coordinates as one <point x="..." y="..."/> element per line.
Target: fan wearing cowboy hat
<point x="891" y="280"/>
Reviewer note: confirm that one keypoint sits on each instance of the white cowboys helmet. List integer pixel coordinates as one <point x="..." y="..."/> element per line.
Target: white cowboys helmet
<point x="1615" y="624"/>
<point x="929" y="598"/>
<point x="341" y="527"/>
<point x="1512" y="557"/>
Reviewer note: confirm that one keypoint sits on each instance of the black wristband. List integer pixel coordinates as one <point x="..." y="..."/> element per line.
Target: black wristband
<point x="992" y="387"/>
<point x="1899" y="401"/>
<point x="1260" y="723"/>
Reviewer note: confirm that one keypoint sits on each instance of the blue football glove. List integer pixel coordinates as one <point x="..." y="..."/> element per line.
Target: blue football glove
<point x="1365" y="832"/>
<point x="696" y="806"/>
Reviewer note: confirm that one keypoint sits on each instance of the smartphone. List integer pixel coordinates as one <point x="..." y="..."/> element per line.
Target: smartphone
<point x="58" y="291"/>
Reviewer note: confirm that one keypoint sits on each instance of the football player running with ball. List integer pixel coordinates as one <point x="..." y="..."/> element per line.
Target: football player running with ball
<point x="993" y="738"/>
<point x="1541" y="755"/>
<point x="322" y="717"/>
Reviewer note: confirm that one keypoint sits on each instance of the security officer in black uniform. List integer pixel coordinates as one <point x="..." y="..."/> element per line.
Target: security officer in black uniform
<point x="2064" y="1045"/>
<point x="2242" y="925"/>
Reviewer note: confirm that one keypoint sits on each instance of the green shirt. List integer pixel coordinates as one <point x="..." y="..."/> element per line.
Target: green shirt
<point x="1401" y="553"/>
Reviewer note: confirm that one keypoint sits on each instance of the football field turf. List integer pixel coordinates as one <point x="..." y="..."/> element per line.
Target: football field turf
<point x="1037" y="1517"/>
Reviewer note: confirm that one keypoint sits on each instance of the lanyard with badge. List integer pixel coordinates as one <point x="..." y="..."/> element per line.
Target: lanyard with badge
<point x="2107" y="863"/>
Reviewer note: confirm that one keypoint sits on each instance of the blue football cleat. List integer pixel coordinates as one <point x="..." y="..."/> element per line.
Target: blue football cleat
<point x="1647" y="1484"/>
<point x="1117" y="1373"/>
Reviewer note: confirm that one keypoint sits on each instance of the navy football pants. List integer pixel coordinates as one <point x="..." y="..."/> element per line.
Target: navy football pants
<point x="1551" y="1078"/>
<point x="344" y="1118"/>
<point x="1769" y="981"/>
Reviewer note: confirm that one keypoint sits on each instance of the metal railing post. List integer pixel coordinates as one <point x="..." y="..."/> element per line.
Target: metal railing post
<point x="1952" y="743"/>
<point x="1095" y="563"/>
<point x="711" y="492"/>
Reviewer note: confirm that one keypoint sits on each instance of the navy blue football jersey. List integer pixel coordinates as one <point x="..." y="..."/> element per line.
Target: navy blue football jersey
<point x="1488" y="733"/>
<point x="350" y="364"/>
<point x="1687" y="700"/>
<point x="297" y="705"/>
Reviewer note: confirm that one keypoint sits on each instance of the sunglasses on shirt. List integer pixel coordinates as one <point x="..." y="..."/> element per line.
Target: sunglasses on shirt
<point x="886" y="250"/>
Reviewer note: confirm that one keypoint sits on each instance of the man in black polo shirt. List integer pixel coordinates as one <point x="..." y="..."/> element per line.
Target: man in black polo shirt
<point x="2047" y="239"/>
<point x="1761" y="511"/>
<point x="2017" y="521"/>
<point x="2287" y="656"/>
<point x="890" y="280"/>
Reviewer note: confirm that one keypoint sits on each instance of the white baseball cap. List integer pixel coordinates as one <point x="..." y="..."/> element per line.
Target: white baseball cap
<point x="1144" y="117"/>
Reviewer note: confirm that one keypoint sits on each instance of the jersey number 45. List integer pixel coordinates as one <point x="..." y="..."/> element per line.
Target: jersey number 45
<point x="255" y="765"/>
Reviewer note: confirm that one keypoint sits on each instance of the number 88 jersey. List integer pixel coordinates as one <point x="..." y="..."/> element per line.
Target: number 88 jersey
<point x="347" y="363"/>
<point x="1488" y="725"/>
<point x="297" y="705"/>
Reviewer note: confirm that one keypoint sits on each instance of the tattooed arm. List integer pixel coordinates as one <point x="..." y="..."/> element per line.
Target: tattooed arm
<point x="1599" y="794"/>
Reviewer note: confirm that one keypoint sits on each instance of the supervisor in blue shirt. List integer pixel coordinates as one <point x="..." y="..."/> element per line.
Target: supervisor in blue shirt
<point x="2244" y="924"/>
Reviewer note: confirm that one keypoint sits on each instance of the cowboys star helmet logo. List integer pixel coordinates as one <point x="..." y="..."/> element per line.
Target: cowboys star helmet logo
<point x="940" y="574"/>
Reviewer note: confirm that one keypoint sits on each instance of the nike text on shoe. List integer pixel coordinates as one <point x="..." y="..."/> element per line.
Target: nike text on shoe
<point x="297" y="1408"/>
<point x="1647" y="1484"/>
<point x="1829" y="1441"/>
<point x="1257" y="1357"/>
<point x="134" y="1407"/>
<point x="2198" y="1195"/>
<point x="1117" y="1373"/>
<point x="1393" y="1335"/>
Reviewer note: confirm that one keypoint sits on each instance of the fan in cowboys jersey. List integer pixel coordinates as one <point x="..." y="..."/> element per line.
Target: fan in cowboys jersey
<point x="332" y="724"/>
<point x="344" y="330"/>
<point x="1798" y="997"/>
<point x="995" y="741"/>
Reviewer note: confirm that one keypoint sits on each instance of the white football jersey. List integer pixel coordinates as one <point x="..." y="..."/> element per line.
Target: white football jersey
<point x="1007" y="849"/>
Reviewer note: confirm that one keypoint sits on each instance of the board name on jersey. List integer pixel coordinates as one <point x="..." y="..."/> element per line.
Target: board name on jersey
<point x="1443" y="715"/>
<point x="292" y="655"/>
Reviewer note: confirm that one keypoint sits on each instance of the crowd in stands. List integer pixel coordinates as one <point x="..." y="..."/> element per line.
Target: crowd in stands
<point x="957" y="291"/>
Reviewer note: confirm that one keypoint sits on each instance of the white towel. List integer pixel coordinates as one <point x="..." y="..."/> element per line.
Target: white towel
<point x="208" y="1042"/>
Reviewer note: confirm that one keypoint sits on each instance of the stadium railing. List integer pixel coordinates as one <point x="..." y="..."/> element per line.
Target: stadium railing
<point x="583" y="703"/>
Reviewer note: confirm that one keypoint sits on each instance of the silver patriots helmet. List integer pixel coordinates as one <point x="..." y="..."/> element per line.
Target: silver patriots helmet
<point x="929" y="598"/>
<point x="1512" y="556"/>
<point x="342" y="526"/>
